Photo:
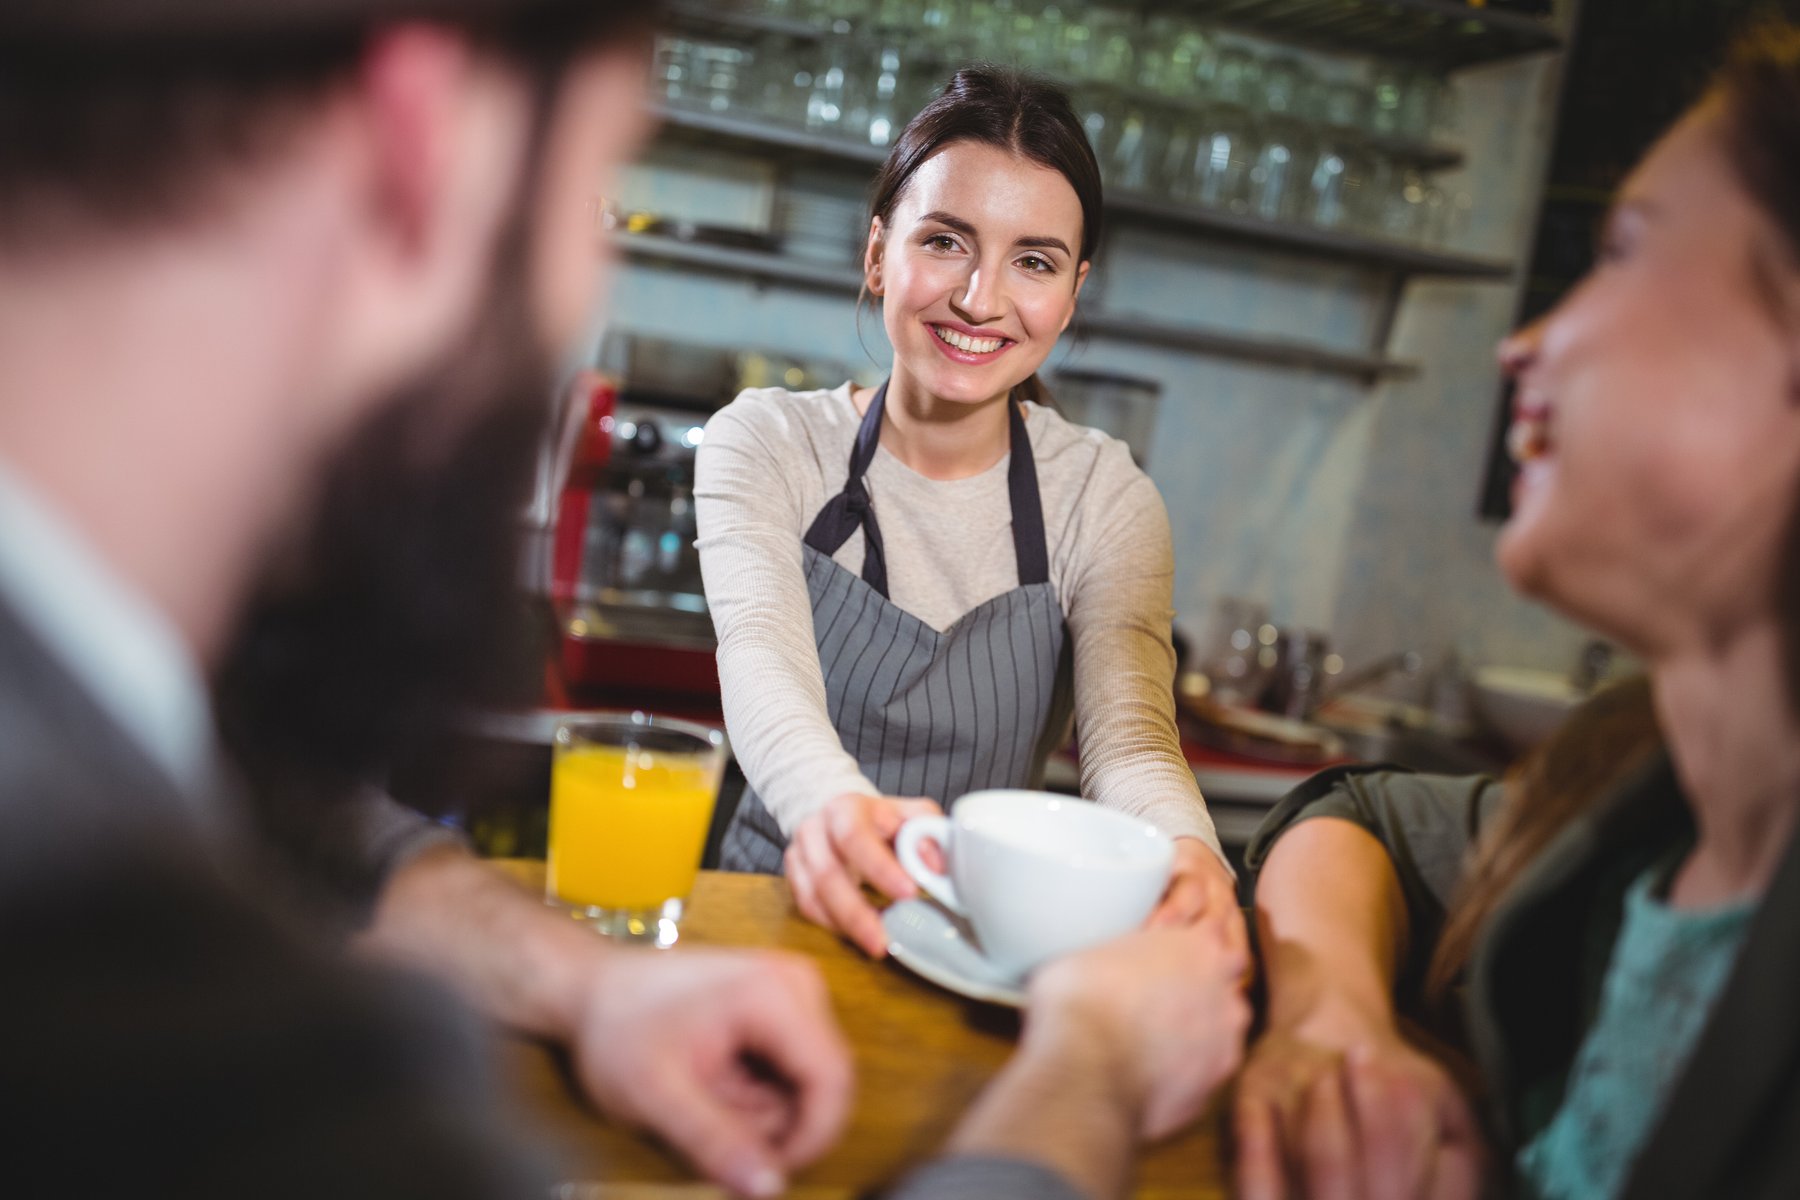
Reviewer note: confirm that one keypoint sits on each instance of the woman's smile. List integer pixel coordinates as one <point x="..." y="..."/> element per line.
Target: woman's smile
<point x="959" y="343"/>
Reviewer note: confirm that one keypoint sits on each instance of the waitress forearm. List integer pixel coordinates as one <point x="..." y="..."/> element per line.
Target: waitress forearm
<point x="781" y="732"/>
<point x="1120" y="619"/>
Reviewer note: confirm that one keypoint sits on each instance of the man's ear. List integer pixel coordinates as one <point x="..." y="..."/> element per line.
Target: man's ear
<point x="409" y="77"/>
<point x="429" y="136"/>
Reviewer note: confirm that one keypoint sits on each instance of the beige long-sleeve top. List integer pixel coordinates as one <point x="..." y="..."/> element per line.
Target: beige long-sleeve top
<point x="772" y="458"/>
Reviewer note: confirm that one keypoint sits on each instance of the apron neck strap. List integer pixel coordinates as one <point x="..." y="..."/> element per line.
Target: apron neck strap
<point x="851" y="509"/>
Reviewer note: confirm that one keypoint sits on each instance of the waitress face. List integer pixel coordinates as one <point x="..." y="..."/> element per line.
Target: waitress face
<point x="1658" y="410"/>
<point x="978" y="269"/>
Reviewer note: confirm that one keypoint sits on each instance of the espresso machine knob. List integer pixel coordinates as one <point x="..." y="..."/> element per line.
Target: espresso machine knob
<point x="647" y="439"/>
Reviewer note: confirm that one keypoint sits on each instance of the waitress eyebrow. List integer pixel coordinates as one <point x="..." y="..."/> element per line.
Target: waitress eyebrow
<point x="1043" y="243"/>
<point x="950" y="220"/>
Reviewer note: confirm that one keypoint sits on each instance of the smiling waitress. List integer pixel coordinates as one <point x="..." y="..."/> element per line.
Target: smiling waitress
<point x="916" y="585"/>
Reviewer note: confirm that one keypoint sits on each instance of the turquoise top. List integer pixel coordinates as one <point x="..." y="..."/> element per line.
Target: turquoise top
<point x="1667" y="967"/>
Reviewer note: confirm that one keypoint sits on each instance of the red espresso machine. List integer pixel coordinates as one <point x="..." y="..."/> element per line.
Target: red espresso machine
<point x="632" y="629"/>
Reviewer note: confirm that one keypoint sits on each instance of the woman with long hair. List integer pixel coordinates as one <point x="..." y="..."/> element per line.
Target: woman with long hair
<point x="916" y="586"/>
<point x="1627" y="939"/>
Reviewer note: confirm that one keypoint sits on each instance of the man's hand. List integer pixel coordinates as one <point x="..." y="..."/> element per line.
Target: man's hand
<point x="847" y="843"/>
<point x="1166" y="1005"/>
<point x="1352" y="1115"/>
<point x="734" y="1058"/>
<point x="1123" y="1042"/>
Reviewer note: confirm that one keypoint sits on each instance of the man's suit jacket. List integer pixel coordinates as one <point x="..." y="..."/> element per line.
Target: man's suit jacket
<point x="167" y="1030"/>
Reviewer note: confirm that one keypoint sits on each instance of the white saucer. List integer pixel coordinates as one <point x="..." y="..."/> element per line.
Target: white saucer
<point x="930" y="942"/>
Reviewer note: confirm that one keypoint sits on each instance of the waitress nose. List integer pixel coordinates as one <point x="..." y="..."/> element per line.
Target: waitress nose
<point x="981" y="301"/>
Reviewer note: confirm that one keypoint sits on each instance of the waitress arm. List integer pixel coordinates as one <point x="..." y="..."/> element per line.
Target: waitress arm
<point x="1119" y="592"/>
<point x="751" y="514"/>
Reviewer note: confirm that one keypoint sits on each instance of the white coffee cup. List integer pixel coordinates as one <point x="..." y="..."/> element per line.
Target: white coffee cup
<point x="1040" y="875"/>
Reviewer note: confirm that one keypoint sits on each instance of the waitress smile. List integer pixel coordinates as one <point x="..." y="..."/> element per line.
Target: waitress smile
<point x="916" y="586"/>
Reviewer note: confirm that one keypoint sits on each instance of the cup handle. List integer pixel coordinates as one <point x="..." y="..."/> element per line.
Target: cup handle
<point x="936" y="884"/>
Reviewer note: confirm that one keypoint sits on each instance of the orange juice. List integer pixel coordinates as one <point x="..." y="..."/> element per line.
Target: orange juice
<point x="627" y="825"/>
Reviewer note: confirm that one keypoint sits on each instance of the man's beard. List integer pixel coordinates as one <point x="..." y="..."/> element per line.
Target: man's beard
<point x="403" y="609"/>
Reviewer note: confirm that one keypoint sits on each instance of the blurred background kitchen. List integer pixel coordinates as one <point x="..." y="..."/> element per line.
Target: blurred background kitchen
<point x="1322" y="216"/>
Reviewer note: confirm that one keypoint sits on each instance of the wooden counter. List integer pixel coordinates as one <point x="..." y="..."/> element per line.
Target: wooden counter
<point x="922" y="1054"/>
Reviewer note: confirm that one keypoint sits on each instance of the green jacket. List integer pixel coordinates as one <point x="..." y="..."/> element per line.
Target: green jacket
<point x="1730" y="1127"/>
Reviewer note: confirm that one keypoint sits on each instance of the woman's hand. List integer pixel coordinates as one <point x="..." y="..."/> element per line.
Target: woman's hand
<point x="1355" y="1114"/>
<point x="844" y="845"/>
<point x="1199" y="886"/>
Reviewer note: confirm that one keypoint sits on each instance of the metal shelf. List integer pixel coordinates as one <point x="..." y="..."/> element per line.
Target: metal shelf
<point x="760" y="265"/>
<point x="1447" y="34"/>
<point x="780" y="139"/>
<point x="1298" y="239"/>
<point x="1306" y="239"/>
<point x="785" y="270"/>
<point x="1273" y="352"/>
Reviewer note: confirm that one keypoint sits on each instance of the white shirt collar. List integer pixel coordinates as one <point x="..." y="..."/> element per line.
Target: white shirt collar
<point x="118" y="646"/>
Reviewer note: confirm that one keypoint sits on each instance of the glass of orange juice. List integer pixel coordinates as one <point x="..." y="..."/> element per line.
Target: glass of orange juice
<point x="631" y="797"/>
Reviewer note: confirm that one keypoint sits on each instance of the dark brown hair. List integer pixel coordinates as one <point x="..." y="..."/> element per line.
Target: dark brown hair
<point x="1010" y="110"/>
<point x="1760" y="87"/>
<point x="118" y="135"/>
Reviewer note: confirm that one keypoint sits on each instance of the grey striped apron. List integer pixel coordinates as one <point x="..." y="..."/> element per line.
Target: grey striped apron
<point x="924" y="713"/>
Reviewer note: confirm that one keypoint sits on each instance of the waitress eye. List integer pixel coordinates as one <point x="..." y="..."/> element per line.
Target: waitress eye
<point x="1037" y="264"/>
<point x="941" y="241"/>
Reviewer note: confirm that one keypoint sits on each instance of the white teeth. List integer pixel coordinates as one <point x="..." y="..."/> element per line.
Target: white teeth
<point x="1527" y="439"/>
<point x="966" y="343"/>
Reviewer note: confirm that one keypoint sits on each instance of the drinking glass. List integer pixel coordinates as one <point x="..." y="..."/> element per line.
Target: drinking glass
<point x="1224" y="156"/>
<point x="882" y="115"/>
<point x="1335" y="195"/>
<point x="1139" y="136"/>
<point x="631" y="798"/>
<point x="721" y="74"/>
<point x="1237" y="77"/>
<point x="1110" y="52"/>
<point x="674" y="69"/>
<point x="825" y="106"/>
<point x="1277" y="183"/>
<point x="1401" y="195"/>
<point x="1173" y="54"/>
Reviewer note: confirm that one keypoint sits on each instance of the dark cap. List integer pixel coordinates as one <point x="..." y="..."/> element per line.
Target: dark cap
<point x="77" y="20"/>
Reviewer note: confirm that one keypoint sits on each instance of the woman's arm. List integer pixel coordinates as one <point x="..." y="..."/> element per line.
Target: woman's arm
<point x="1119" y="603"/>
<point x="752" y="515"/>
<point x="1120" y="584"/>
<point x="1334" y="1100"/>
<point x="747" y="503"/>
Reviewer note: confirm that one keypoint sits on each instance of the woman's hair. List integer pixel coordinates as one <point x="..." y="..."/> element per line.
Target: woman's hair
<point x="1601" y="743"/>
<point x="1010" y="110"/>
<point x="1760" y="87"/>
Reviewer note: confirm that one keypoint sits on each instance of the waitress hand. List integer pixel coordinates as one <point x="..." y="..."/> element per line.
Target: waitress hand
<point x="1200" y="889"/>
<point x="847" y="843"/>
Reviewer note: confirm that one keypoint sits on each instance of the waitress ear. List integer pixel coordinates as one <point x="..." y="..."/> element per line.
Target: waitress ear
<point x="1081" y="274"/>
<point x="873" y="253"/>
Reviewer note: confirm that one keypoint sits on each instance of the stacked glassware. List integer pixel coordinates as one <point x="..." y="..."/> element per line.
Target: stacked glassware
<point x="1177" y="110"/>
